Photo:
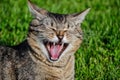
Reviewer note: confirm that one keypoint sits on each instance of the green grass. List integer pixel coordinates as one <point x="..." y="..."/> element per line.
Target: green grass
<point x="99" y="55"/>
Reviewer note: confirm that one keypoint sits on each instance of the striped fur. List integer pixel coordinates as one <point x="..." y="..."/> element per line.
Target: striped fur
<point x="48" y="51"/>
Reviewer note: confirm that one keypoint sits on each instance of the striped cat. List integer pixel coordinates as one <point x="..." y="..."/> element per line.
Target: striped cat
<point x="48" y="51"/>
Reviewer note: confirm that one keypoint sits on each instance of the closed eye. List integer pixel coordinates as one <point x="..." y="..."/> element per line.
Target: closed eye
<point x="53" y="29"/>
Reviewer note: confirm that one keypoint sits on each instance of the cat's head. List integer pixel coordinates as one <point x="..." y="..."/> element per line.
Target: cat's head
<point x="56" y="35"/>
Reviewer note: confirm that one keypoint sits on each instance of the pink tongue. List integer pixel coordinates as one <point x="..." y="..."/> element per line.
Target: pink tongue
<point x="55" y="51"/>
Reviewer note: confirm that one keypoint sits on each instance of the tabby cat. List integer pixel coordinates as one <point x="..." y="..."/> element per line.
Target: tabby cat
<point x="48" y="51"/>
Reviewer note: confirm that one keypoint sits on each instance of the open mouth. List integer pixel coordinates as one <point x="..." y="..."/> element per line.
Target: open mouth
<point x="55" y="49"/>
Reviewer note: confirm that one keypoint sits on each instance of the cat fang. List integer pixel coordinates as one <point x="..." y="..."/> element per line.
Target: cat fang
<point x="55" y="49"/>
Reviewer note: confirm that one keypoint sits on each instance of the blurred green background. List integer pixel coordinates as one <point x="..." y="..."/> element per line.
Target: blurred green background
<point x="99" y="55"/>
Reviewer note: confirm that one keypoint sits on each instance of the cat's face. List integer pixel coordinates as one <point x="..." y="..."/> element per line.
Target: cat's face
<point x="57" y="35"/>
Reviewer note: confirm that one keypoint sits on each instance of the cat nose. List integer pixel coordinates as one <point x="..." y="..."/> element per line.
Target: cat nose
<point x="60" y="37"/>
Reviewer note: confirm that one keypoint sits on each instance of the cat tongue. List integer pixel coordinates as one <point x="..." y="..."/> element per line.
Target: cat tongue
<point x="55" y="51"/>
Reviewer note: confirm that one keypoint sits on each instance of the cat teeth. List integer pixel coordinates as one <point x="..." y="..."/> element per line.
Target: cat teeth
<point x="54" y="43"/>
<point x="62" y="44"/>
<point x="48" y="46"/>
<point x="54" y="58"/>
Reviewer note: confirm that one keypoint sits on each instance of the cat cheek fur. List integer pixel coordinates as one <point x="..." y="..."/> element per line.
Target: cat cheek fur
<point x="51" y="37"/>
<point x="67" y="38"/>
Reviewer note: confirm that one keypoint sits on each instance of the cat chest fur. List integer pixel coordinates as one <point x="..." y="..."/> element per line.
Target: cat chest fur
<point x="55" y="71"/>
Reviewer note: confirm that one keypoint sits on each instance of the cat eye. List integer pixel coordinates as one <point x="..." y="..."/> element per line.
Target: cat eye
<point x="53" y="29"/>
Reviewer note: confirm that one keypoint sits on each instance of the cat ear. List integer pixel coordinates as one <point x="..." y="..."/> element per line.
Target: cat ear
<point x="79" y="17"/>
<point x="36" y="11"/>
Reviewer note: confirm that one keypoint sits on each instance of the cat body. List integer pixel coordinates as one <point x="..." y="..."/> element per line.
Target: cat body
<point x="48" y="51"/>
<point x="21" y="63"/>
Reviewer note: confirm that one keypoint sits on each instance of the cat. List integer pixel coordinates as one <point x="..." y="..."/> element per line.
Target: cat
<point x="48" y="51"/>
